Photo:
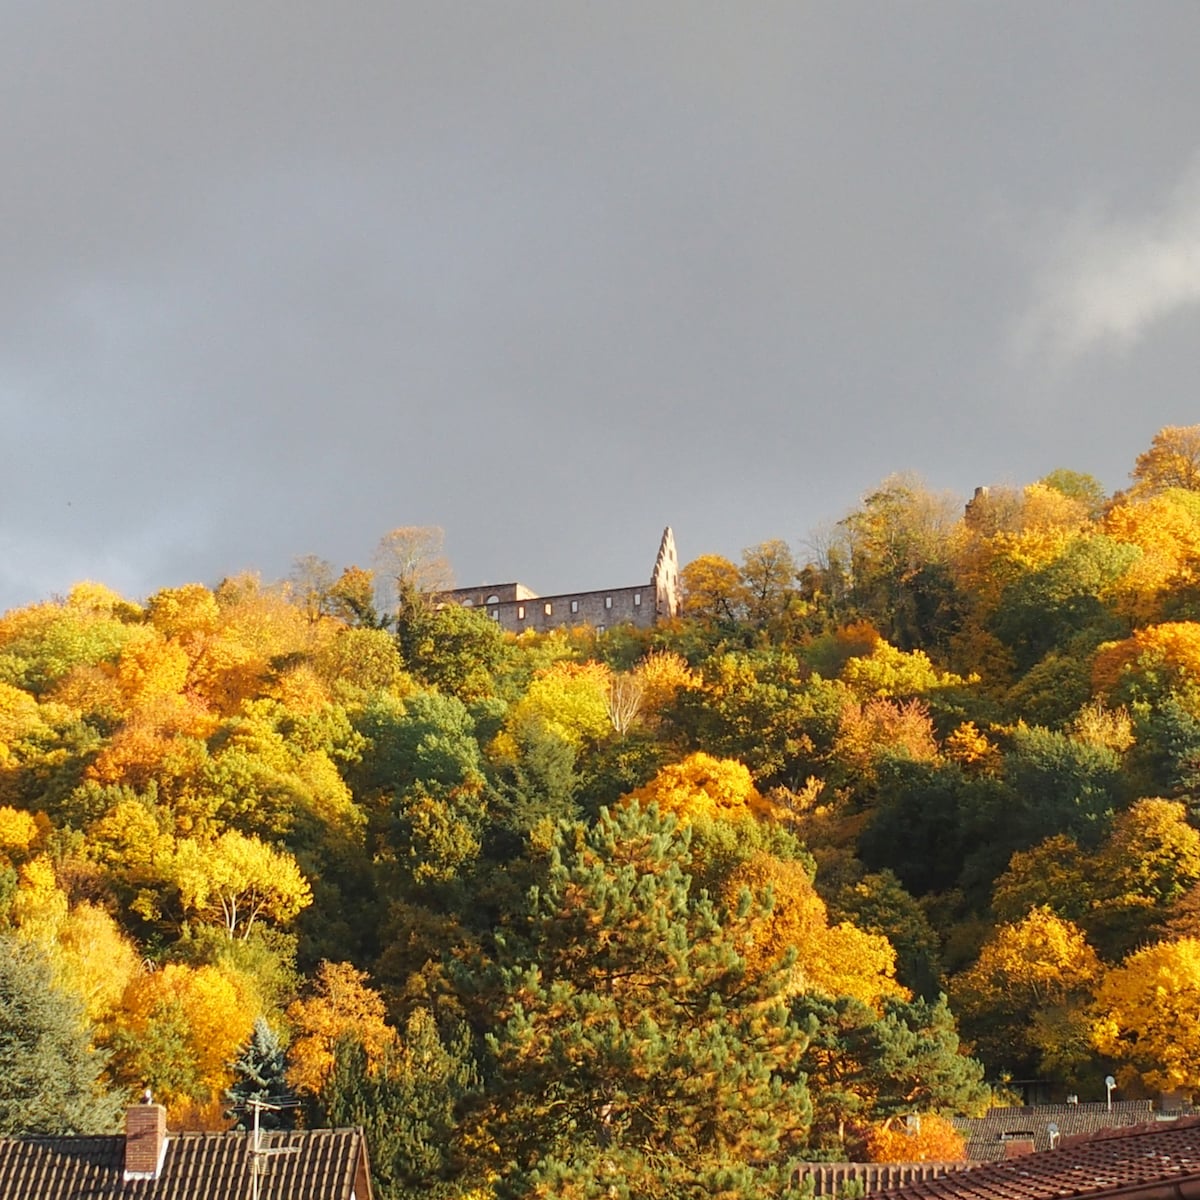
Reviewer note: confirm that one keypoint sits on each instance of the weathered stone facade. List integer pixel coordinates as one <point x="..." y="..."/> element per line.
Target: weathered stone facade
<point x="517" y="608"/>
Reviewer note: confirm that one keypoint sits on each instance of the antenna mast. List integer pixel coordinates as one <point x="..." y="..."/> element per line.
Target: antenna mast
<point x="261" y="1155"/>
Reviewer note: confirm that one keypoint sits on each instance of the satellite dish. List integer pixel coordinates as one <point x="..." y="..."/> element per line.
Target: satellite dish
<point x="1109" y="1081"/>
<point x="1052" y="1128"/>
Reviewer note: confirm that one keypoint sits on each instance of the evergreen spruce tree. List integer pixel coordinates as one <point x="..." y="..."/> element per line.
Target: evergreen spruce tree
<point x="50" y="1073"/>
<point x="634" y="1055"/>
<point x="260" y="1075"/>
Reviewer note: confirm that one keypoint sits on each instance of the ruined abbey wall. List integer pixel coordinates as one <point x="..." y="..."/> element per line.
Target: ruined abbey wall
<point x="516" y="607"/>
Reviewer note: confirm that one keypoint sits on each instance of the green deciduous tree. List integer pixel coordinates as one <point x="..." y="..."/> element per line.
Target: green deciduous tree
<point x="899" y="544"/>
<point x="768" y="575"/>
<point x="762" y="710"/>
<point x="459" y="650"/>
<point x="1077" y="485"/>
<point x="1063" y="604"/>
<point x="1061" y="785"/>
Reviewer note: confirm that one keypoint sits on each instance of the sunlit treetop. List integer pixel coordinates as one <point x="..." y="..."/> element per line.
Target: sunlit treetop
<point x="701" y="785"/>
<point x="1172" y="460"/>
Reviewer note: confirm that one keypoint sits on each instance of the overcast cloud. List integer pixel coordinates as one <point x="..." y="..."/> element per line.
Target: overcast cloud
<point x="275" y="278"/>
<point x="1112" y="279"/>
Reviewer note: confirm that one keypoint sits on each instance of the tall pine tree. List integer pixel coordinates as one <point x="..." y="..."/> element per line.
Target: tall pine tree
<point x="634" y="1054"/>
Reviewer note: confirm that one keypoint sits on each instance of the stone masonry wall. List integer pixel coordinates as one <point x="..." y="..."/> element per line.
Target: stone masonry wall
<point x="602" y="610"/>
<point x="516" y="607"/>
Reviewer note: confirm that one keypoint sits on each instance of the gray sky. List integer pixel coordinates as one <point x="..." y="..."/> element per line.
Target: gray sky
<point x="278" y="277"/>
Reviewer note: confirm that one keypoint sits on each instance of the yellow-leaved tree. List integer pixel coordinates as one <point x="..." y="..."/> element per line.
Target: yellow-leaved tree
<point x="1025" y="1002"/>
<point x="95" y="960"/>
<point x="1148" y="862"/>
<point x="1172" y="461"/>
<point x="889" y="672"/>
<point x="39" y="906"/>
<point x="19" y="830"/>
<point x="661" y="674"/>
<point x="970" y="748"/>
<point x="830" y="960"/>
<point x="712" y="590"/>
<point x="1147" y="1019"/>
<point x="237" y="880"/>
<point x="568" y="699"/>
<point x="1166" y="528"/>
<point x="704" y="786"/>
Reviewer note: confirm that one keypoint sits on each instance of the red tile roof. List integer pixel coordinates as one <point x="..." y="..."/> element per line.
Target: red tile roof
<point x="1153" y="1161"/>
<point x="326" y="1164"/>
<point x="830" y="1179"/>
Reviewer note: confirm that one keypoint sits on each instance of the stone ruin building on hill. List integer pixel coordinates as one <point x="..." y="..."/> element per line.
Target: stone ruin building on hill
<point x="517" y="608"/>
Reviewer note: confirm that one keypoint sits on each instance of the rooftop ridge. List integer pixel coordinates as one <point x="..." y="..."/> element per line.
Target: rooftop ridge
<point x="1148" y="1161"/>
<point x="1113" y="1132"/>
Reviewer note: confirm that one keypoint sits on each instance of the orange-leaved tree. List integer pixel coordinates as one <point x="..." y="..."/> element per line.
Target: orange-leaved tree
<point x="704" y="786"/>
<point x="342" y="1005"/>
<point x="922" y="1137"/>
<point x="178" y="1028"/>
<point x="829" y="960"/>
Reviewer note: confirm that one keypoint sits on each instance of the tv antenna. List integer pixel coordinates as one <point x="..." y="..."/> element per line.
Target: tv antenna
<point x="260" y="1155"/>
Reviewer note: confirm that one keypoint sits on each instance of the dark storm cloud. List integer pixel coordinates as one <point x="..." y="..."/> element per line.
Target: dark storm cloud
<point x="277" y="278"/>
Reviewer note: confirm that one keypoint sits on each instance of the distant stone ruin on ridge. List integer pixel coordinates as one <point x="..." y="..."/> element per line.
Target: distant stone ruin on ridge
<point x="516" y="607"/>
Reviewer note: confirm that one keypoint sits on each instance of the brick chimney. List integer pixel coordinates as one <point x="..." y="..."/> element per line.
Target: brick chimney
<point x="1016" y="1147"/>
<point x="145" y="1140"/>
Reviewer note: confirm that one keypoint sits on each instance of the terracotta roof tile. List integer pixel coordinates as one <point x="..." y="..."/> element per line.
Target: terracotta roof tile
<point x="829" y="1179"/>
<point x="1134" y="1160"/>
<point x="198" y="1166"/>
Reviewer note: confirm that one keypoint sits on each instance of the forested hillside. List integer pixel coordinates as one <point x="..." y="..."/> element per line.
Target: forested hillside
<point x="657" y="910"/>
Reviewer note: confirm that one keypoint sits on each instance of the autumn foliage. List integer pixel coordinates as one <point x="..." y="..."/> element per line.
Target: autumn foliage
<point x="950" y="748"/>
